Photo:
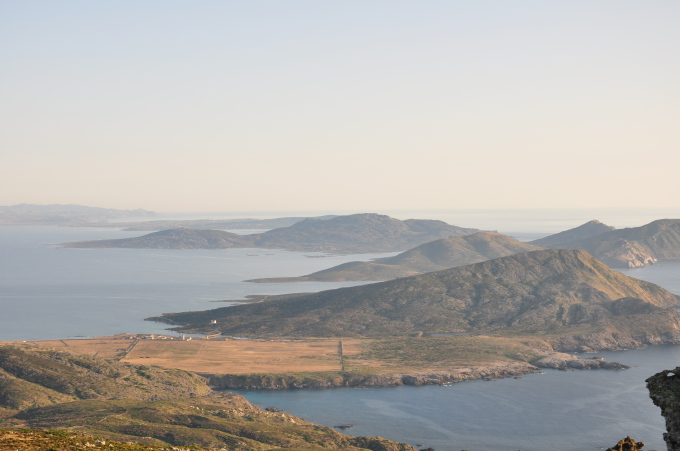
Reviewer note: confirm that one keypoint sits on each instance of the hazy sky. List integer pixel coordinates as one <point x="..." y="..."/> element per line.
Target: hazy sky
<point x="340" y="105"/>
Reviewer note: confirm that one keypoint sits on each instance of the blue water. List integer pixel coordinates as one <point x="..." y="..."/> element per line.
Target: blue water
<point x="568" y="411"/>
<point x="48" y="293"/>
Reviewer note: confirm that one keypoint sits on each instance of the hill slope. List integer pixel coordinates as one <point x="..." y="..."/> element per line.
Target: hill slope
<point x="428" y="257"/>
<point x="218" y="421"/>
<point x="358" y="233"/>
<point x="543" y="292"/>
<point x="32" y="377"/>
<point x="42" y="388"/>
<point x="631" y="247"/>
<point x="582" y="232"/>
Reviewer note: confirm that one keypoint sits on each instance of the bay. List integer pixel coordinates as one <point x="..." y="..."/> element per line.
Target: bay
<point x="569" y="411"/>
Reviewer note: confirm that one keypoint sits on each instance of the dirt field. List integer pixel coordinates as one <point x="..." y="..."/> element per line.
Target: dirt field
<point x="217" y="357"/>
<point x="220" y="356"/>
<point x="239" y="356"/>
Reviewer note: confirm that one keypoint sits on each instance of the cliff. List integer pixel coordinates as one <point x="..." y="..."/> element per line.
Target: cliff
<point x="664" y="389"/>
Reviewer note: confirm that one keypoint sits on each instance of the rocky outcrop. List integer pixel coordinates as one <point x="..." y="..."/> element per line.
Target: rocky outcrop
<point x="664" y="389"/>
<point x="335" y="380"/>
<point x="562" y="361"/>
<point x="627" y="444"/>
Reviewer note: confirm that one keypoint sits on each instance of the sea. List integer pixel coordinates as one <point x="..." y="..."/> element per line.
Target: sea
<point x="49" y="292"/>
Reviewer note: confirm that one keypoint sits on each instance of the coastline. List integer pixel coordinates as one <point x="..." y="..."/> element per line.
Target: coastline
<point x="339" y="380"/>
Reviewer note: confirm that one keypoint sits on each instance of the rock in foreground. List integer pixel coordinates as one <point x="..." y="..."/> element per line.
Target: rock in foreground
<point x="664" y="389"/>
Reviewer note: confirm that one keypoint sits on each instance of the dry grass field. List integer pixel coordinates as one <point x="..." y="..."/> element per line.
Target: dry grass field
<point x="216" y="356"/>
<point x="239" y="356"/>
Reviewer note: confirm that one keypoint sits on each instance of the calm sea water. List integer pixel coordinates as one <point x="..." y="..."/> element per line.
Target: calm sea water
<point x="567" y="411"/>
<point x="49" y="293"/>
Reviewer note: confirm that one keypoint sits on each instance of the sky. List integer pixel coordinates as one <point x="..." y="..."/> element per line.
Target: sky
<point x="363" y="105"/>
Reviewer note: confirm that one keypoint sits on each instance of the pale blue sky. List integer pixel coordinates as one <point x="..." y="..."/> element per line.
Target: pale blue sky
<point x="345" y="105"/>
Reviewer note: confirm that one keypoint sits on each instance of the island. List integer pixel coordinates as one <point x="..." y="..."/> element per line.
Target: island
<point x="71" y="215"/>
<point x="349" y="234"/>
<point x="433" y="256"/>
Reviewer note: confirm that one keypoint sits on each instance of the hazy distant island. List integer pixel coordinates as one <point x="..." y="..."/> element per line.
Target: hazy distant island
<point x="433" y="256"/>
<point x="633" y="247"/>
<point x="30" y="214"/>
<point x="211" y="224"/>
<point x="359" y="233"/>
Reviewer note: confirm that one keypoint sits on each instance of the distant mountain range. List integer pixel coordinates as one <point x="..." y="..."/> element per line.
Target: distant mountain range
<point x="566" y="294"/>
<point x="29" y="214"/>
<point x="433" y="256"/>
<point x="624" y="248"/>
<point x="359" y="233"/>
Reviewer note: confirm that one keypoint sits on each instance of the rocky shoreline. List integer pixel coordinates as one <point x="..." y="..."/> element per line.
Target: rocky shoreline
<point x="557" y="361"/>
<point x="564" y="362"/>
<point x="337" y="380"/>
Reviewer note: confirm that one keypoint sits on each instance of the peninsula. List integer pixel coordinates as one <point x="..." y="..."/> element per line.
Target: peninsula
<point x="433" y="256"/>
<point x="360" y="233"/>
<point x="567" y="297"/>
